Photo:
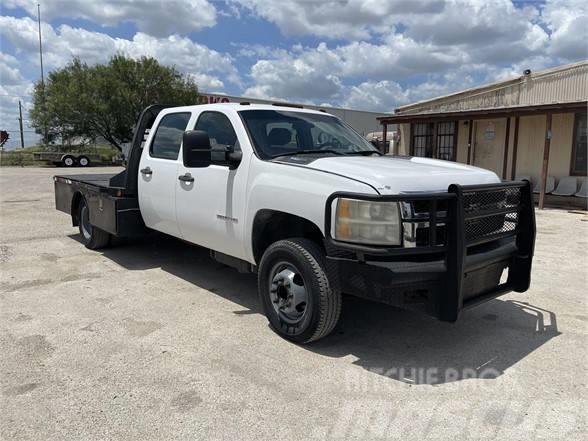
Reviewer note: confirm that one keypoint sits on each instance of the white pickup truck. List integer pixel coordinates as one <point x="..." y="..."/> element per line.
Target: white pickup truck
<point x="301" y="199"/>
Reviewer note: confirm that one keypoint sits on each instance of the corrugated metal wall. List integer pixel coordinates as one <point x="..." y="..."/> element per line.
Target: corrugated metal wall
<point x="559" y="85"/>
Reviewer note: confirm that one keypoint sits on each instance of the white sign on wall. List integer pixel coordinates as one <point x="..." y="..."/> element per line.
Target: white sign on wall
<point x="490" y="132"/>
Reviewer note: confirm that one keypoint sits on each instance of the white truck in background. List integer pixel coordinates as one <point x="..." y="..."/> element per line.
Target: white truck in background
<point x="308" y="204"/>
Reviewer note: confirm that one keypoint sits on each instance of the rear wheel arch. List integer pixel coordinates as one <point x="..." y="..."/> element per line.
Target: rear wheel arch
<point x="270" y="226"/>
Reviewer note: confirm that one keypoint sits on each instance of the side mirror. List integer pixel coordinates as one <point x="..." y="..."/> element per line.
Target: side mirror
<point x="196" y="149"/>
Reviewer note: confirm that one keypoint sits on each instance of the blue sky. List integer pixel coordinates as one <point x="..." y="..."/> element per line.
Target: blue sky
<point x="363" y="54"/>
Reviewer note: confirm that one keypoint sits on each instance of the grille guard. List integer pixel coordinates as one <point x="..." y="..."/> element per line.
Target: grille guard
<point x="472" y="215"/>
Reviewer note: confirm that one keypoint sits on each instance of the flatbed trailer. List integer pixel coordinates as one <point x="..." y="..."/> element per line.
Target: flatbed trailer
<point x="68" y="159"/>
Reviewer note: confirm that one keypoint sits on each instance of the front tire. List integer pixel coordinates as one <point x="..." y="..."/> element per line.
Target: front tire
<point x="295" y="292"/>
<point x="92" y="237"/>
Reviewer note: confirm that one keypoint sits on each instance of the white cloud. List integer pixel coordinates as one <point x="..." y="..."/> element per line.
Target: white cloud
<point x="158" y="18"/>
<point x="60" y="44"/>
<point x="65" y="42"/>
<point x="568" y="22"/>
<point x="381" y="96"/>
<point x="294" y="78"/>
<point x="207" y="83"/>
<point x="14" y="88"/>
<point x="351" y="19"/>
<point x="377" y="54"/>
<point x="9" y="73"/>
<point x="432" y="48"/>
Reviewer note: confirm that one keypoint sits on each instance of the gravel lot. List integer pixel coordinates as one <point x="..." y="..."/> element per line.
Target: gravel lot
<point x="154" y="340"/>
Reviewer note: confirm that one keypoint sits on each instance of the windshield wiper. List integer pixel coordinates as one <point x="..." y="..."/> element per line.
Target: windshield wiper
<point x="307" y="152"/>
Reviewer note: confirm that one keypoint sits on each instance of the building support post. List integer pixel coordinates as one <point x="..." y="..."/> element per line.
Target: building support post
<point x="545" y="168"/>
<point x="434" y="146"/>
<point x="384" y="136"/>
<point x="506" y="142"/>
<point x="515" y="148"/>
<point x="470" y="130"/>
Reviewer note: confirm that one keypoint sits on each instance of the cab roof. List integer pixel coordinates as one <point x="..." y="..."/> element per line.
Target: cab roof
<point x="248" y="106"/>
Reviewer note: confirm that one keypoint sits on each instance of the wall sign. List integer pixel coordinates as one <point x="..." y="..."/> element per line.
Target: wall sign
<point x="490" y="132"/>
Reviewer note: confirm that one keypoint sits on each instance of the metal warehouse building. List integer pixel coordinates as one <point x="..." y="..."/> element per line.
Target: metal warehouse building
<point x="532" y="127"/>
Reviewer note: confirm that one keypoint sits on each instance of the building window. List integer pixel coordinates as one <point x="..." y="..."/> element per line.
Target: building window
<point x="446" y="140"/>
<point x="435" y="140"/>
<point x="422" y="139"/>
<point x="579" y="153"/>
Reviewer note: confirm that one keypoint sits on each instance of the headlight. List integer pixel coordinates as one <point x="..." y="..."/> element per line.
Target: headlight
<point x="376" y="223"/>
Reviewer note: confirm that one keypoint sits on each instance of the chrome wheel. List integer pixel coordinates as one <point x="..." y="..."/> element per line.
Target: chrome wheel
<point x="85" y="223"/>
<point x="288" y="292"/>
<point x="84" y="162"/>
<point x="68" y="161"/>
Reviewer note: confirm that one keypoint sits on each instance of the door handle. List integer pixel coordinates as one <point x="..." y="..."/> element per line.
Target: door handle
<point x="146" y="171"/>
<point x="186" y="178"/>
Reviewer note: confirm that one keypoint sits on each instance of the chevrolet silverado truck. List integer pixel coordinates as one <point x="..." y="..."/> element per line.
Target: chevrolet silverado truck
<point x="302" y="200"/>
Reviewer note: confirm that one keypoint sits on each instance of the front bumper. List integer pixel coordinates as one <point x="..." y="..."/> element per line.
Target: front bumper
<point x="473" y="235"/>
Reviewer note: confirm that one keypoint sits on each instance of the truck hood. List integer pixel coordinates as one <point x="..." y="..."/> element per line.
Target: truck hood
<point x="397" y="174"/>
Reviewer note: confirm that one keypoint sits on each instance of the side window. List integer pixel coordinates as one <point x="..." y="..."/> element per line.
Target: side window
<point x="168" y="137"/>
<point x="219" y="129"/>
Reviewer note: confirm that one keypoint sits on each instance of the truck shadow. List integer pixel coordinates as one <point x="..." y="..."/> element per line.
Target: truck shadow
<point x="397" y="344"/>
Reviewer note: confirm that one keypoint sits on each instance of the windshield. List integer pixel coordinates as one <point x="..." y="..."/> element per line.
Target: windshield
<point x="279" y="133"/>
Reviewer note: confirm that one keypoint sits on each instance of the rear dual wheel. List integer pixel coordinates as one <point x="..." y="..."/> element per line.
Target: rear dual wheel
<point x="297" y="298"/>
<point x="92" y="237"/>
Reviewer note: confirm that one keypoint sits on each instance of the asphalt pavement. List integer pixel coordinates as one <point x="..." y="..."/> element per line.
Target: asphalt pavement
<point x="154" y="340"/>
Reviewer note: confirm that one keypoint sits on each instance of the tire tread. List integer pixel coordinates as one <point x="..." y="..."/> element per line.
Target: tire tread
<point x="330" y="300"/>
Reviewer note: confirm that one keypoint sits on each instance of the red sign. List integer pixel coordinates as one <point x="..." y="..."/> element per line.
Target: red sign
<point x="211" y="99"/>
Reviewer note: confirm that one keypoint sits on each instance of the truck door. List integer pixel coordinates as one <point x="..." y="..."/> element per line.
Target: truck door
<point x="158" y="173"/>
<point x="210" y="209"/>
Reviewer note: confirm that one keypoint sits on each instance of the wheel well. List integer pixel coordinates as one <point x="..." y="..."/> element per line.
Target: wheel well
<point x="269" y="226"/>
<point x="75" y="208"/>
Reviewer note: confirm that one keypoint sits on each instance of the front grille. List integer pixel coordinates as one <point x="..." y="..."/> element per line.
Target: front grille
<point x="491" y="214"/>
<point x="488" y="215"/>
<point x="423" y="239"/>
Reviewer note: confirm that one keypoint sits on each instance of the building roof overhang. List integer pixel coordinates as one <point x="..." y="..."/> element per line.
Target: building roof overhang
<point x="501" y="112"/>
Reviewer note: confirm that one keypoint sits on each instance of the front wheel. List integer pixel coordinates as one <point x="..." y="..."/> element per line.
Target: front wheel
<point x="92" y="237"/>
<point x="295" y="293"/>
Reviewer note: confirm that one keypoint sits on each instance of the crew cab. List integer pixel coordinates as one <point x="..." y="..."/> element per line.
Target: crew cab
<point x="302" y="200"/>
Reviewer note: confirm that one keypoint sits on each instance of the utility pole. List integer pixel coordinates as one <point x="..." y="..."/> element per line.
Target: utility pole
<point x="44" y="104"/>
<point x="40" y="44"/>
<point x="20" y="125"/>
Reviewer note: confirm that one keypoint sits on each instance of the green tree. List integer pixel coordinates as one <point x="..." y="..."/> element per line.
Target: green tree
<point x="105" y="100"/>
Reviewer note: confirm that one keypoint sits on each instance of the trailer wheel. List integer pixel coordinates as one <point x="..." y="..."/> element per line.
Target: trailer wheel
<point x="68" y="161"/>
<point x="92" y="237"/>
<point x="295" y="293"/>
<point x="84" y="161"/>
